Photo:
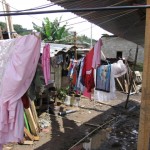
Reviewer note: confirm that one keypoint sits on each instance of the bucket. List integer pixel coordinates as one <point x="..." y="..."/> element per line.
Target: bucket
<point x="72" y="100"/>
<point x="76" y="100"/>
<point x="67" y="100"/>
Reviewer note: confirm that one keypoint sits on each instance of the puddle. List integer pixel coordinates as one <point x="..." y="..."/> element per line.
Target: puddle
<point x="94" y="142"/>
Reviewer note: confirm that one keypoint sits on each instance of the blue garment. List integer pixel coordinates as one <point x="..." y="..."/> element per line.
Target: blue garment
<point x="103" y="78"/>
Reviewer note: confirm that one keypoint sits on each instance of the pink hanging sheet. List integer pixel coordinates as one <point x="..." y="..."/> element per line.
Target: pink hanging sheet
<point x="16" y="79"/>
<point x="46" y="63"/>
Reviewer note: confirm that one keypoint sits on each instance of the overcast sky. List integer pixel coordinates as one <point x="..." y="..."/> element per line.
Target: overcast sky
<point x="26" y="21"/>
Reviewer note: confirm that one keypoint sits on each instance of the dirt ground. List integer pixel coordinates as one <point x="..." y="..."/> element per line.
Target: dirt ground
<point x="119" y="134"/>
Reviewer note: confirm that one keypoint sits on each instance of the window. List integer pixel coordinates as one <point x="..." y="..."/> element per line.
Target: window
<point x="119" y="54"/>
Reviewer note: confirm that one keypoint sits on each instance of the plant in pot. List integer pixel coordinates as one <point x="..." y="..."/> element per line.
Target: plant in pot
<point x="62" y="93"/>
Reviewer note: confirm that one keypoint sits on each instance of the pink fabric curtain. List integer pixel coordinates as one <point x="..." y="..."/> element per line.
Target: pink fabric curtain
<point x="46" y="63"/>
<point x="17" y="77"/>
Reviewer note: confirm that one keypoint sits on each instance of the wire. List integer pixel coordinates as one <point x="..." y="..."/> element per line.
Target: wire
<point x="109" y="20"/>
<point x="35" y="8"/>
<point x="16" y="9"/>
<point x="102" y="23"/>
<point x="78" y="10"/>
<point x="38" y="7"/>
<point x="93" y="12"/>
<point x="98" y="17"/>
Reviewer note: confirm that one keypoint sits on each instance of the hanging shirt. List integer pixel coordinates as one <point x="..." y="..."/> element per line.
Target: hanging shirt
<point x="17" y="77"/>
<point x="103" y="78"/>
<point x="87" y="72"/>
<point x="117" y="70"/>
<point x="79" y="85"/>
<point x="97" y="54"/>
<point x="46" y="63"/>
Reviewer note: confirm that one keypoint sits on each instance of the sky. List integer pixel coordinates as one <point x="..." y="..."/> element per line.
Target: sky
<point x="26" y="21"/>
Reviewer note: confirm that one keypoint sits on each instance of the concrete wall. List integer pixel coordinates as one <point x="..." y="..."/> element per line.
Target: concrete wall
<point x="113" y="44"/>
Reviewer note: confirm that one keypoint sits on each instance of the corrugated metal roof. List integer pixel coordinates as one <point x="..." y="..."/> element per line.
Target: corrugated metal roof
<point x="55" y="48"/>
<point x="128" y="24"/>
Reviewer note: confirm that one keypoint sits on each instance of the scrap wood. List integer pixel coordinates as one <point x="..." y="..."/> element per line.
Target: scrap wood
<point x="33" y="109"/>
<point x="7" y="148"/>
<point x="36" y="138"/>
<point x="33" y="127"/>
<point x="28" y="134"/>
<point x="126" y="86"/>
<point x="27" y="142"/>
<point x="120" y="84"/>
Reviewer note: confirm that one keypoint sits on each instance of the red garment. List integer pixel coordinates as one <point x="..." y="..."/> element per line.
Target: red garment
<point x="25" y="101"/>
<point x="88" y="72"/>
<point x="87" y="94"/>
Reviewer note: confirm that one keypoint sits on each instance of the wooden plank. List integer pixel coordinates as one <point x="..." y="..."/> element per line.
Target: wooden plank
<point x="144" y="125"/>
<point x="33" y="109"/>
<point x="28" y="142"/>
<point x="120" y="84"/>
<point x="126" y="86"/>
<point x="28" y="134"/>
<point x="36" y="138"/>
<point x="32" y="124"/>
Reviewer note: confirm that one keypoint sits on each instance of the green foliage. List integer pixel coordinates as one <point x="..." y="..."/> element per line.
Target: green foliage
<point x="3" y="25"/>
<point x="139" y="67"/>
<point x="18" y="28"/>
<point x="85" y="40"/>
<point x="52" y="31"/>
<point x="62" y="92"/>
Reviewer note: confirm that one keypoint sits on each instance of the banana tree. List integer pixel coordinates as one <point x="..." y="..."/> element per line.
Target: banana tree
<point x="52" y="31"/>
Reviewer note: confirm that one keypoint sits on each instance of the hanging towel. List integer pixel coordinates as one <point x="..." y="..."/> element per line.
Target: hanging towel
<point x="103" y="78"/>
<point x="117" y="69"/>
<point x="46" y="63"/>
<point x="97" y="54"/>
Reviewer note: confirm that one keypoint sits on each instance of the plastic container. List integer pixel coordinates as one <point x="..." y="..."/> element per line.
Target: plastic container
<point x="67" y="100"/>
<point x="77" y="100"/>
<point x="72" y="100"/>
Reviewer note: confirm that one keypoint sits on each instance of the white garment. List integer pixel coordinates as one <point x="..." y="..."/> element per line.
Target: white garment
<point x="117" y="70"/>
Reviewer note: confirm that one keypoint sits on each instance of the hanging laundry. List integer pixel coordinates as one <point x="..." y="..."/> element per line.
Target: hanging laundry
<point x="117" y="70"/>
<point x="97" y="54"/>
<point x="79" y="85"/>
<point x="87" y="72"/>
<point x="103" y="78"/>
<point x="46" y="63"/>
<point x="17" y="75"/>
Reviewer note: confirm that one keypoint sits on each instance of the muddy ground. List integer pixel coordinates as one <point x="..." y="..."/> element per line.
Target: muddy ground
<point x="119" y="134"/>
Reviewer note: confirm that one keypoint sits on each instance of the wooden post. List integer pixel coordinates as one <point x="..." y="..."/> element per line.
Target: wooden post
<point x="144" y="125"/>
<point x="132" y="77"/>
<point x="6" y="17"/>
<point x="75" y="44"/>
<point x="11" y="28"/>
<point x="1" y="34"/>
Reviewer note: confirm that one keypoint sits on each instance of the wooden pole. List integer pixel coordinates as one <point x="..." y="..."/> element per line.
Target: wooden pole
<point x="75" y="44"/>
<point x="4" y="4"/>
<point x="144" y="125"/>
<point x="1" y="34"/>
<point x="11" y="28"/>
<point x="132" y="77"/>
